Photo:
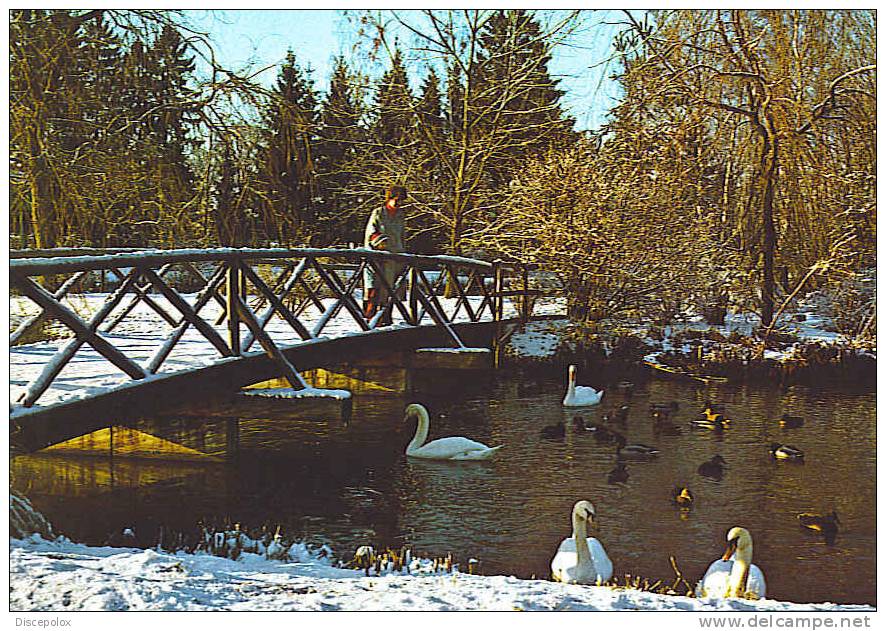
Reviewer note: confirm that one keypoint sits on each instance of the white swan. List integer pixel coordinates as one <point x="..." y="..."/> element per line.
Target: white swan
<point x="578" y="396"/>
<point x="734" y="576"/>
<point x="581" y="559"/>
<point x="450" y="448"/>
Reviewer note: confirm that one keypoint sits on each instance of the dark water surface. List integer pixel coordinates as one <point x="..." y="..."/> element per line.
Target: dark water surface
<point x="351" y="485"/>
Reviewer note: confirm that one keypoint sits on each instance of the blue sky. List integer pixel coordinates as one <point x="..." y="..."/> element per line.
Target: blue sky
<point x="260" y="38"/>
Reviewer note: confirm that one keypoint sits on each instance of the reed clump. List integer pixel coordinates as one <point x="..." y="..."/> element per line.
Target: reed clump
<point x="404" y="561"/>
<point x="679" y="586"/>
<point x="233" y="540"/>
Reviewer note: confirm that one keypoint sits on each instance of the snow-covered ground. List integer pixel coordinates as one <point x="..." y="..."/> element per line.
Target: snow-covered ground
<point x="541" y="339"/>
<point x="64" y="576"/>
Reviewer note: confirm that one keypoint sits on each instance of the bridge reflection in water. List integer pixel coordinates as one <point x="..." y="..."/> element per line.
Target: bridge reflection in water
<point x="217" y="430"/>
<point x="56" y="473"/>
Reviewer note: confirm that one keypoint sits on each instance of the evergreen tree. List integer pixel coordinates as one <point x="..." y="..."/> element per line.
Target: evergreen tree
<point x="455" y="94"/>
<point x="172" y="68"/>
<point x="99" y="65"/>
<point x="151" y="113"/>
<point x="342" y="138"/>
<point x="226" y="229"/>
<point x="175" y="108"/>
<point x="430" y="177"/>
<point x="517" y="89"/>
<point x="340" y="118"/>
<point x="233" y="215"/>
<point x="393" y="106"/>
<point x="288" y="174"/>
<point x="389" y="156"/>
<point x="430" y="106"/>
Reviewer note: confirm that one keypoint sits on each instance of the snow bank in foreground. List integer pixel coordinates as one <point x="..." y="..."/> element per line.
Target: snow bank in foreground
<point x="60" y="575"/>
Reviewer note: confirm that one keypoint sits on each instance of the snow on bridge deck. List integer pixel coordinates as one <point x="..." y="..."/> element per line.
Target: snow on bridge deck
<point x="143" y="331"/>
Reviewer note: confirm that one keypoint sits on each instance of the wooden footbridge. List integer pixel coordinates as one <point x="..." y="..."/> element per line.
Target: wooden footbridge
<point x="117" y="334"/>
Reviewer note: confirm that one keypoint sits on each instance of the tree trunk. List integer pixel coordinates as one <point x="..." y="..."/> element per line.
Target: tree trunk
<point x="769" y="171"/>
<point x="455" y="250"/>
<point x="42" y="216"/>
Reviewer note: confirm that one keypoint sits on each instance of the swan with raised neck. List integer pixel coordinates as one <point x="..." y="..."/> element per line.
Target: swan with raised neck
<point x="580" y="559"/>
<point x="449" y="448"/>
<point x="734" y="575"/>
<point x="578" y="396"/>
<point x="582" y="516"/>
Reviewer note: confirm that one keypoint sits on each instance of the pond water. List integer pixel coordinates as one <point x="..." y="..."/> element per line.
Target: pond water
<point x="350" y="485"/>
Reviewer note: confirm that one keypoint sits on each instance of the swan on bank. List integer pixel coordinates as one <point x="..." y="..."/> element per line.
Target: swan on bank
<point x="581" y="559"/>
<point x="734" y="576"/>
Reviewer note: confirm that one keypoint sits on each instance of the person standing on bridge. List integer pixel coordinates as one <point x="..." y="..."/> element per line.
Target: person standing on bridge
<point x="384" y="232"/>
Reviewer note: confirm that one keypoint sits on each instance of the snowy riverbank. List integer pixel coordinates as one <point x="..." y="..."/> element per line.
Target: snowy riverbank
<point x="64" y="576"/>
<point x="545" y="341"/>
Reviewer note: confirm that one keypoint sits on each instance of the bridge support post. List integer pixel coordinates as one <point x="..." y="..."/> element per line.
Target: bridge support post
<point x="498" y="290"/>
<point x="233" y="297"/>
<point x="413" y="296"/>
<point x="524" y="304"/>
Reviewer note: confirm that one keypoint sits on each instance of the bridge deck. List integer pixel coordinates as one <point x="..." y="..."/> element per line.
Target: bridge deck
<point x="89" y="374"/>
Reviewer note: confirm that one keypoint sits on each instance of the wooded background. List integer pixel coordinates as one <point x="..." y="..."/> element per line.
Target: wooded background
<point x="739" y="167"/>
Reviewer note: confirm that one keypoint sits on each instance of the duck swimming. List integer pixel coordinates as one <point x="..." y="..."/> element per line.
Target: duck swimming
<point x="619" y="416"/>
<point x="682" y="496"/>
<point x="818" y="522"/>
<point x="579" y="558"/>
<point x="625" y="387"/>
<point x="579" y="396"/>
<point x="827" y="525"/>
<point x="791" y="422"/>
<point x="711" y="410"/>
<point x="603" y="434"/>
<point x="619" y="474"/>
<point x="717" y="424"/>
<point x="450" y="448"/>
<point x="554" y="431"/>
<point x="734" y="576"/>
<point x="634" y="451"/>
<point x="785" y="452"/>
<point x="713" y="468"/>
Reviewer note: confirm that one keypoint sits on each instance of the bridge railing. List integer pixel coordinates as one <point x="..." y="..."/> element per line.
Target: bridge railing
<point x="228" y="299"/>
